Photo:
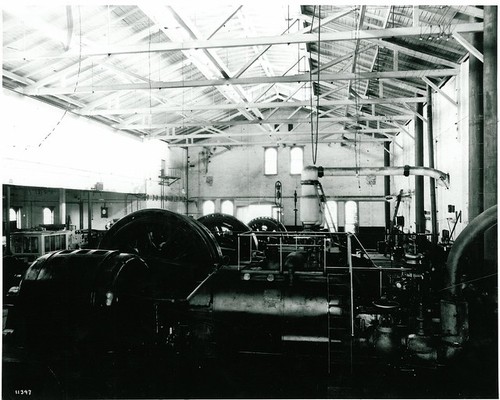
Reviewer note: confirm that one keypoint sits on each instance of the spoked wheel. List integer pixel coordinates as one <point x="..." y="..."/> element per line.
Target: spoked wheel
<point x="226" y="230"/>
<point x="266" y="224"/>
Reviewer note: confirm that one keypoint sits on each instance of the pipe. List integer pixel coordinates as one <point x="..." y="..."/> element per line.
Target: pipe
<point x="310" y="208"/>
<point x="419" y="180"/>
<point x="387" y="186"/>
<point x="432" y="181"/>
<point x="476" y="227"/>
<point x="406" y="170"/>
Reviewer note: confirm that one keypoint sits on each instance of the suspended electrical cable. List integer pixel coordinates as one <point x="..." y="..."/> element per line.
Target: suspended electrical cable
<point x="315" y="132"/>
<point x="357" y="147"/>
<point x="312" y="90"/>
<point x="149" y="75"/>
<point x="76" y="83"/>
<point x="317" y="88"/>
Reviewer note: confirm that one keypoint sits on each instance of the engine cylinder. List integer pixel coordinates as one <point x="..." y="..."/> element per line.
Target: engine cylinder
<point x="257" y="313"/>
<point x="75" y="299"/>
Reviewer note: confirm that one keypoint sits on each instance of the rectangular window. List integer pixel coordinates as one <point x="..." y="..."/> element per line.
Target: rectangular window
<point x="296" y="160"/>
<point x="270" y="161"/>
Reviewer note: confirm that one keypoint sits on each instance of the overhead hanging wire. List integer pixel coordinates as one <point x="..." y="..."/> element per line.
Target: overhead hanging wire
<point x="76" y="83"/>
<point x="315" y="132"/>
<point x="149" y="76"/>
<point x="357" y="127"/>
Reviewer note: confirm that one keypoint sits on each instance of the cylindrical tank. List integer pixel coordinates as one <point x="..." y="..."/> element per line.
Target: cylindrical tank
<point x="259" y="312"/>
<point x="74" y="300"/>
<point x="310" y="210"/>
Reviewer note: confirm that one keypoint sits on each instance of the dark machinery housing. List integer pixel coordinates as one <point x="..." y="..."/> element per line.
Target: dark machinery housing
<point x="161" y="310"/>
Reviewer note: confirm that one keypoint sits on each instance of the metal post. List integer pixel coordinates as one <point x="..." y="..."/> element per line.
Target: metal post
<point x="490" y="125"/>
<point x="295" y="209"/>
<point x="351" y="289"/>
<point x="187" y="181"/>
<point x="89" y="212"/>
<point x="80" y="209"/>
<point x="432" y="181"/>
<point x="387" y="186"/>
<point x="419" y="180"/>
<point x="239" y="253"/>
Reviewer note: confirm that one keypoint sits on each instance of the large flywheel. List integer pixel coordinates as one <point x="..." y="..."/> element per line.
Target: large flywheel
<point x="228" y="232"/>
<point x="181" y="251"/>
<point x="266" y="224"/>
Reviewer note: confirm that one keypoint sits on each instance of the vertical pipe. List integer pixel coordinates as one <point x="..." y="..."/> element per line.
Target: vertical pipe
<point x="387" y="186"/>
<point x="351" y="283"/>
<point x="89" y="210"/>
<point x="490" y="125"/>
<point x="432" y="181"/>
<point x="419" y="180"/>
<point x="476" y="130"/>
<point x="7" y="220"/>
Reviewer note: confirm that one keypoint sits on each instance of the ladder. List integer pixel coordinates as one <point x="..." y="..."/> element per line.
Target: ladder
<point x="339" y="326"/>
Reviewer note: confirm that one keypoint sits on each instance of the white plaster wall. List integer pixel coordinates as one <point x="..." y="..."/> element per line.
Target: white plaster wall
<point x="238" y="174"/>
<point x="450" y="127"/>
<point x="40" y="147"/>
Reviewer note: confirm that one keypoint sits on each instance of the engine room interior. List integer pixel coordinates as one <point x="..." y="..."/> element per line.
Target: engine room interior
<point x="249" y="201"/>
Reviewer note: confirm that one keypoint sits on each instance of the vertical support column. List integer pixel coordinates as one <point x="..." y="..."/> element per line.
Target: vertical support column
<point x="490" y="124"/>
<point x="7" y="220"/>
<point x="80" y="209"/>
<point x="419" y="180"/>
<point x="387" y="185"/>
<point x="89" y="211"/>
<point x="476" y="130"/>
<point x="432" y="181"/>
<point x="187" y="182"/>
<point x="62" y="207"/>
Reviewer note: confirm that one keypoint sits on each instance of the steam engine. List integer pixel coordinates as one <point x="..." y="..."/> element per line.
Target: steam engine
<point x="167" y="296"/>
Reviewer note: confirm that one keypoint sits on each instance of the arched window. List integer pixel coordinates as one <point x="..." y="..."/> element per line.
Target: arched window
<point x="227" y="207"/>
<point x="331" y="216"/>
<point x="12" y="215"/>
<point x="15" y="216"/>
<point x="296" y="160"/>
<point x="351" y="216"/>
<point x="48" y="216"/>
<point x="270" y="161"/>
<point x="208" y="207"/>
